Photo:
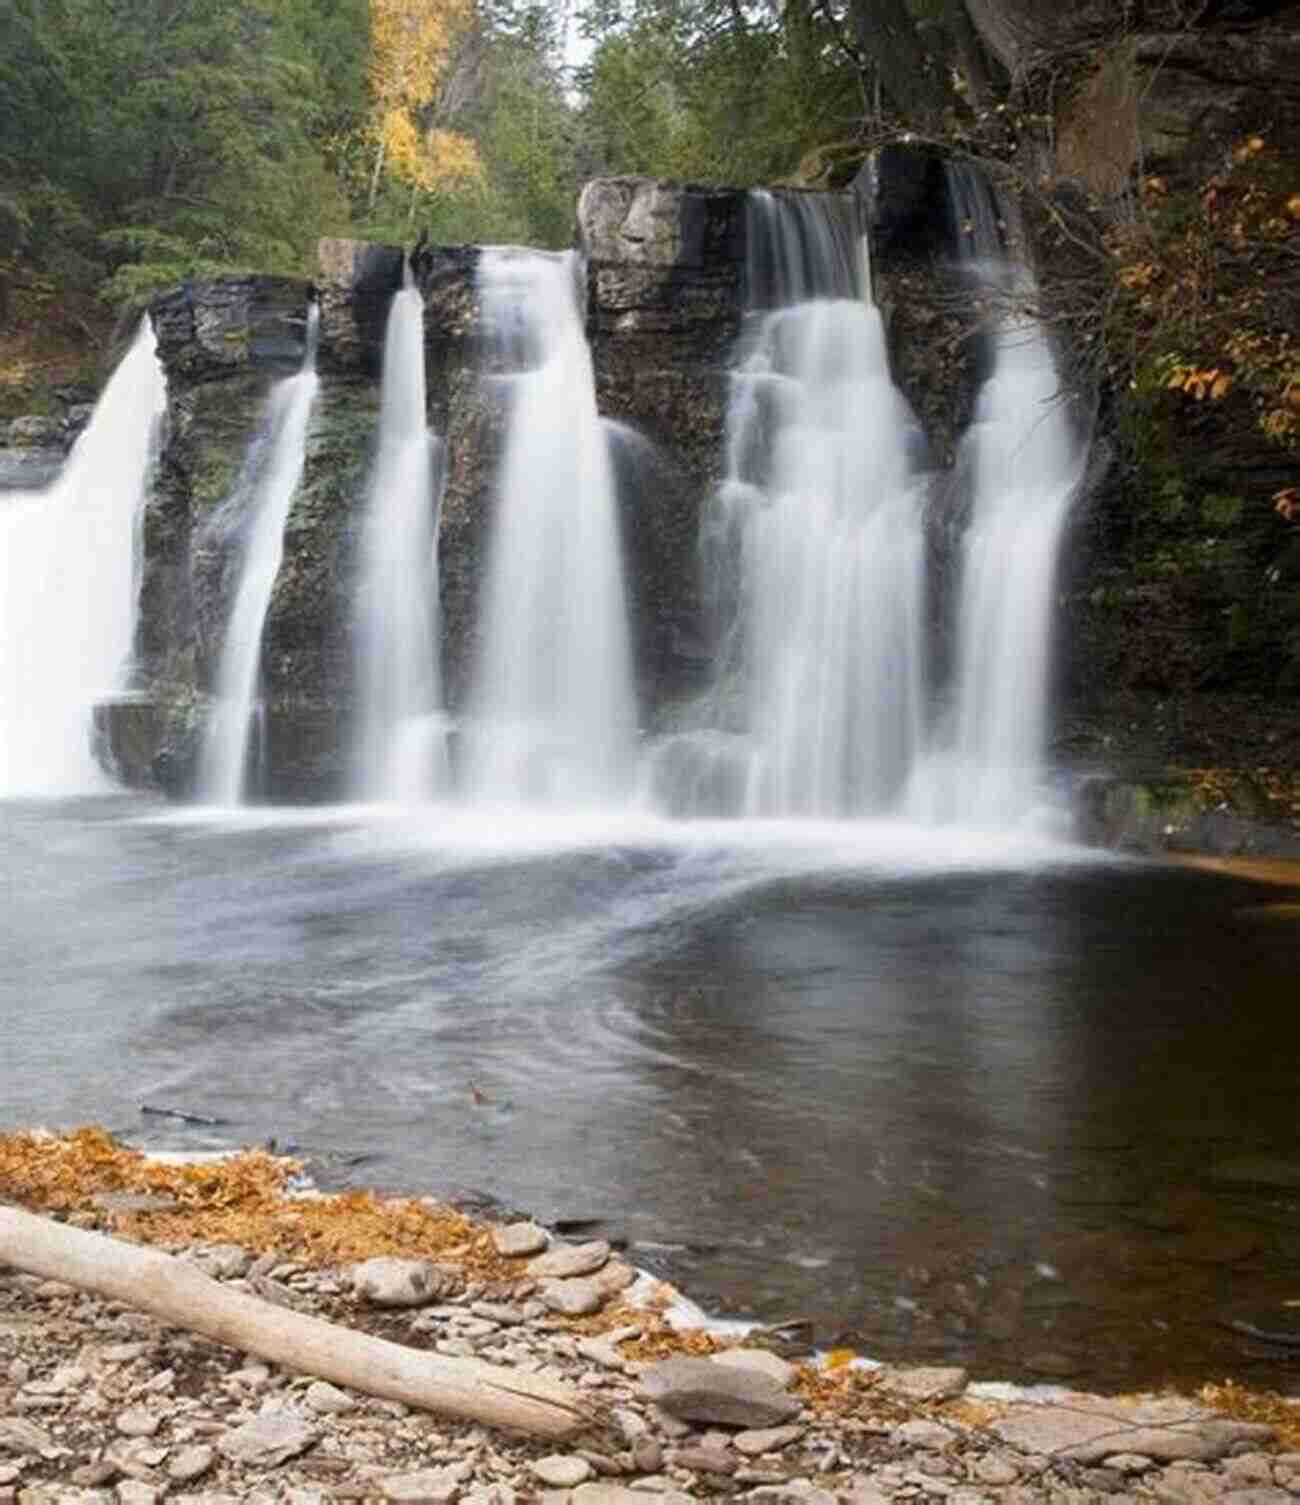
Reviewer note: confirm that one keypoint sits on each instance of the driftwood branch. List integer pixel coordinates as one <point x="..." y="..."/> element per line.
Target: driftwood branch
<point x="183" y="1296"/>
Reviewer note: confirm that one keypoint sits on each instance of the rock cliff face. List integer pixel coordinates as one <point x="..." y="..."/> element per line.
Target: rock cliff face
<point x="665" y="301"/>
<point x="666" y="295"/>
<point x="664" y="306"/>
<point x="665" y="291"/>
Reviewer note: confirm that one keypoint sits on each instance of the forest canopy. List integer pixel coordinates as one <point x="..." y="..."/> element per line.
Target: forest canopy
<point x="148" y="140"/>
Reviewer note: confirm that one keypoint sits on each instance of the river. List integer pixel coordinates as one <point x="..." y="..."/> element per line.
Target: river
<point x="951" y="1097"/>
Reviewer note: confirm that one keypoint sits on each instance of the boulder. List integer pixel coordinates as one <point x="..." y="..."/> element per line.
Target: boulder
<point x="1091" y="1429"/>
<point x="400" y="1282"/>
<point x="700" y="1390"/>
<point x="759" y="1361"/>
<point x="566" y="1260"/>
<point x="516" y="1239"/>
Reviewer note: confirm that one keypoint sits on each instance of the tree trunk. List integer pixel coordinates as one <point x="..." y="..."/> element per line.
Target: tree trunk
<point x="1015" y="31"/>
<point x="968" y="52"/>
<point x="374" y="177"/>
<point x="184" y="1297"/>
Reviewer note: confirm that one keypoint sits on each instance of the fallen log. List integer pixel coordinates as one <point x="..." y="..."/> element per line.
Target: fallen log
<point x="183" y="1296"/>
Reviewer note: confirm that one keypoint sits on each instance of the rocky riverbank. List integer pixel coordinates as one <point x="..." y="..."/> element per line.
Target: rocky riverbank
<point x="101" y="1404"/>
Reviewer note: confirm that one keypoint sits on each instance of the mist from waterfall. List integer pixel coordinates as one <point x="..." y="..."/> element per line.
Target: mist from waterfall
<point x="260" y="505"/>
<point x="400" y="752"/>
<point x="813" y="544"/>
<point x="1022" y="461"/>
<point x="69" y="585"/>
<point x="552" y="715"/>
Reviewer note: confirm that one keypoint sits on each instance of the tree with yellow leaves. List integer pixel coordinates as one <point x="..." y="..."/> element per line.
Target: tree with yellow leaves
<point x="413" y="48"/>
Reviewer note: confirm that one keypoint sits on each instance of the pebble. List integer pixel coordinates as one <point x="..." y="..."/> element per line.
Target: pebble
<point x="996" y="1468"/>
<point x="921" y="1433"/>
<point x="137" y="1492"/>
<point x="601" y="1351"/>
<point x="327" y="1400"/>
<point x="268" y="1439"/>
<point x="515" y="1240"/>
<point x="560" y="1470"/>
<point x="572" y="1298"/>
<point x="704" y="1460"/>
<point x="647" y="1455"/>
<point x="223" y="1261"/>
<point x="566" y="1260"/>
<point x="923" y="1384"/>
<point x="605" y="1494"/>
<point x="136" y="1421"/>
<point x="766" y="1439"/>
<point x="500" y="1312"/>
<point x="424" y="1487"/>
<point x="189" y="1463"/>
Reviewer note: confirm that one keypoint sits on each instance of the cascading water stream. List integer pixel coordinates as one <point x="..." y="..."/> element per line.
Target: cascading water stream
<point x="1023" y="463"/>
<point x="401" y="747"/>
<point x="271" y="478"/>
<point x="553" y="717"/>
<point x="69" y="579"/>
<point x="1027" y="468"/>
<point x="816" y="541"/>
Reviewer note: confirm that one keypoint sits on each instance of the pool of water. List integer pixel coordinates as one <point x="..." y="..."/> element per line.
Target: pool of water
<point x="986" y="1100"/>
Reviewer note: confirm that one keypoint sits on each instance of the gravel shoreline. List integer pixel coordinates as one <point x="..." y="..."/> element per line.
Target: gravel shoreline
<point x="102" y="1404"/>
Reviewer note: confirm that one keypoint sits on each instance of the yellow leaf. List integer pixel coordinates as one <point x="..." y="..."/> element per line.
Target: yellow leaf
<point x="1220" y="387"/>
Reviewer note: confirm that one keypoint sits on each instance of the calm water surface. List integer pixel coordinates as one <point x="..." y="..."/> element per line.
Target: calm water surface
<point x="947" y="1097"/>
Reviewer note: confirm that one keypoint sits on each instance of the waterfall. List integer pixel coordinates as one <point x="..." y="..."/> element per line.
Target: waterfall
<point x="1026" y="470"/>
<point x="69" y="578"/>
<point x="1023" y="464"/>
<point x="814" y="543"/>
<point x="401" y="747"/>
<point x="553" y="717"/>
<point x="263" y="499"/>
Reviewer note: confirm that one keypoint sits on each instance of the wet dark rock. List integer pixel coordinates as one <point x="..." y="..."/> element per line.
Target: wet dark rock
<point x="1056" y="1366"/>
<point x="665" y="303"/>
<point x="1279" y="1325"/>
<point x="1263" y="1171"/>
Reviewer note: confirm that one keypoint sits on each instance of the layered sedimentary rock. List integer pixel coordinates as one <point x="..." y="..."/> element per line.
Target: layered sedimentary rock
<point x="665" y="269"/>
<point x="664" y="305"/>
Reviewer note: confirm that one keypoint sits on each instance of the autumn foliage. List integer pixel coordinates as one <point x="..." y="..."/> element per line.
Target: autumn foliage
<point x="412" y="46"/>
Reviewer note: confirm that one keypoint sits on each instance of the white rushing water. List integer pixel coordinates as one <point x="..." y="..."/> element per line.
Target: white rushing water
<point x="1025" y="465"/>
<point x="1023" y="462"/>
<point x="265" y="495"/>
<point x="817" y="541"/>
<point x="553" y="717"/>
<point x="400" y="752"/>
<point x="69" y="581"/>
